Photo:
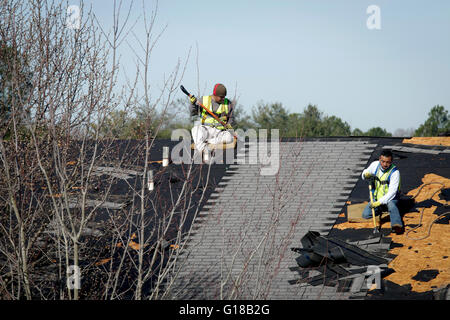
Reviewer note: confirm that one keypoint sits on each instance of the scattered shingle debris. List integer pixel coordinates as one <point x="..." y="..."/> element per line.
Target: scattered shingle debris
<point x="115" y="172"/>
<point x="102" y="262"/>
<point x="132" y="244"/>
<point x="76" y="203"/>
<point x="339" y="263"/>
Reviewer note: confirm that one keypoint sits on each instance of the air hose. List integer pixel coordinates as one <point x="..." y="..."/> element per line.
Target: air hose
<point x="421" y="214"/>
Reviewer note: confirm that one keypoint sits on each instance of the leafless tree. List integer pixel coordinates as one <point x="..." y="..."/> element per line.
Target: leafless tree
<point x="53" y="160"/>
<point x="61" y="220"/>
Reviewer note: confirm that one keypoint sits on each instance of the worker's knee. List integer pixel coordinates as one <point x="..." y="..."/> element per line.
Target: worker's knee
<point x="198" y="132"/>
<point x="227" y="137"/>
<point x="367" y="213"/>
<point x="392" y="205"/>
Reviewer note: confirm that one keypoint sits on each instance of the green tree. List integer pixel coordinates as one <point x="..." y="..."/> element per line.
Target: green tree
<point x="241" y="120"/>
<point x="377" y="132"/>
<point x="311" y="121"/>
<point x="436" y="124"/>
<point x="144" y="120"/>
<point x="334" y="126"/>
<point x="357" y="132"/>
<point x="293" y="128"/>
<point x="270" y="116"/>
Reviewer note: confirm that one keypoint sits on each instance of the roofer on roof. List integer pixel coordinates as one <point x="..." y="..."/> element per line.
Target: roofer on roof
<point x="386" y="191"/>
<point x="208" y="129"/>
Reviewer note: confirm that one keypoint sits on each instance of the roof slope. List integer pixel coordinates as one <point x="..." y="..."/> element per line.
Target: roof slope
<point x="242" y="247"/>
<point x="249" y="220"/>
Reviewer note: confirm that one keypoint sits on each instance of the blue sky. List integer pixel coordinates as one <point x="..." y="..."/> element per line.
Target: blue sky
<point x="300" y="52"/>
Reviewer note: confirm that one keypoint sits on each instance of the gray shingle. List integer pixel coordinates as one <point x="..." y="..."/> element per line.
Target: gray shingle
<point x="247" y="232"/>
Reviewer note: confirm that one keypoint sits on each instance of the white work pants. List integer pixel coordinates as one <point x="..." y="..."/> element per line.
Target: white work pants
<point x="203" y="135"/>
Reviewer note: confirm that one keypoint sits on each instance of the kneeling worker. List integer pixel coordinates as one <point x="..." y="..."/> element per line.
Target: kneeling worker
<point x="386" y="191"/>
<point x="208" y="129"/>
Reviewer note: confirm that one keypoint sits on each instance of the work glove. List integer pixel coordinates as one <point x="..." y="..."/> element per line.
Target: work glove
<point x="375" y="204"/>
<point x="193" y="99"/>
<point x="367" y="175"/>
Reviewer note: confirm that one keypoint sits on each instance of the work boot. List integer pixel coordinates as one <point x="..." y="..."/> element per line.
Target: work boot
<point x="398" y="229"/>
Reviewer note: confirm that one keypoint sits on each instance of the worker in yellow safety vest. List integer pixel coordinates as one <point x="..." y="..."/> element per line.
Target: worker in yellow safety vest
<point x="207" y="129"/>
<point x="386" y="177"/>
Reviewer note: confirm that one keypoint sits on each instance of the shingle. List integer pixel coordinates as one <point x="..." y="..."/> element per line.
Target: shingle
<point x="309" y="188"/>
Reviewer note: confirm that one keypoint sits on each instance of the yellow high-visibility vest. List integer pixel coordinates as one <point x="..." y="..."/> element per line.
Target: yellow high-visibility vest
<point x="382" y="185"/>
<point x="221" y="112"/>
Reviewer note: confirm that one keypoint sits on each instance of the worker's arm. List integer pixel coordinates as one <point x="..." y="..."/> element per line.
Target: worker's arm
<point x="194" y="108"/>
<point x="371" y="169"/>
<point x="393" y="187"/>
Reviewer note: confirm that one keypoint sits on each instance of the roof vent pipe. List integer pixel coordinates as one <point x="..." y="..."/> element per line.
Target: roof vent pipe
<point x="150" y="182"/>
<point x="165" y="161"/>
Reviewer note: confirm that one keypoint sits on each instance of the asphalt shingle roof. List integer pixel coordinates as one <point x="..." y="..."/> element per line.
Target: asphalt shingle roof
<point x="242" y="246"/>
